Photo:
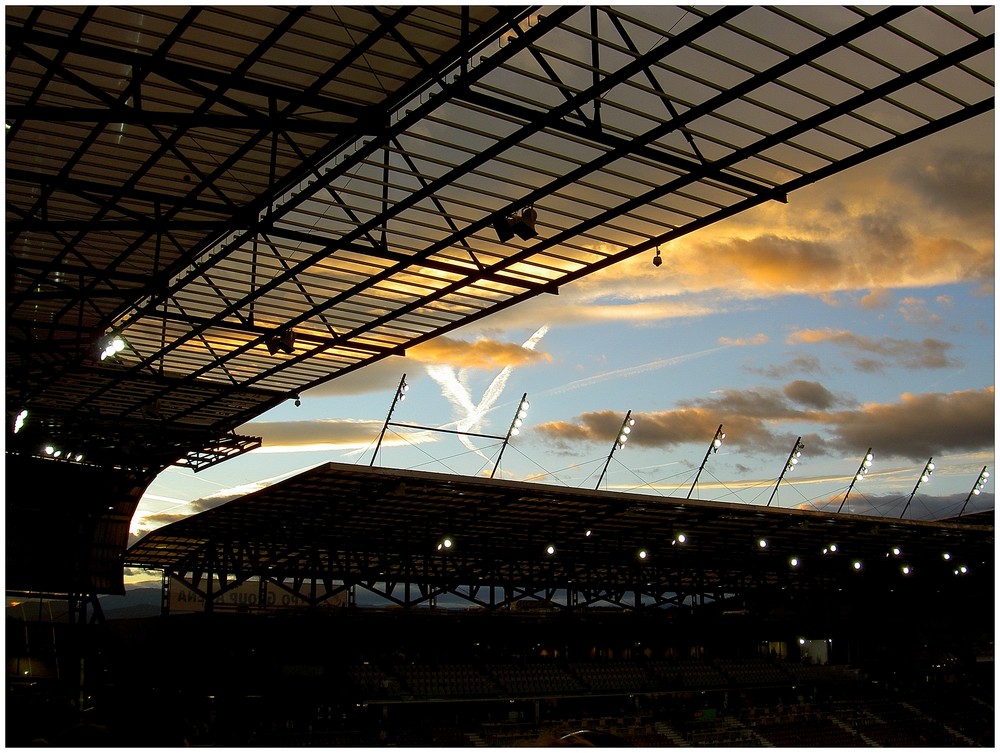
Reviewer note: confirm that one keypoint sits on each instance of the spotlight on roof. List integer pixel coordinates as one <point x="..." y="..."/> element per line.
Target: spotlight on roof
<point x="503" y="230"/>
<point x="445" y="544"/>
<point x="762" y="543"/>
<point x="112" y="346"/>
<point x="524" y="224"/>
<point x="521" y="224"/>
<point x="906" y="569"/>
<point x="625" y="431"/>
<point x="619" y="443"/>
<point x="283" y="342"/>
<point x="793" y="460"/>
<point x="20" y="420"/>
<point x="550" y="549"/>
<point x="856" y="564"/>
<point x="642" y="554"/>
<point x="713" y="448"/>
<point x="984" y="476"/>
<point x="681" y="538"/>
<point x="925" y="476"/>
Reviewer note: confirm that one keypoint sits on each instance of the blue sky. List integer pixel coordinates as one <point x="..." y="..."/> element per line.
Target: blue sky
<point x="859" y="314"/>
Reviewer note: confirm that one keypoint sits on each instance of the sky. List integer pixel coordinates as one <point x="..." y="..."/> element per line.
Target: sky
<point x="858" y="315"/>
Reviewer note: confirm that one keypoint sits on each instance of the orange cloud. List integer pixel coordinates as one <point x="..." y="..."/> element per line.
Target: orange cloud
<point x="480" y="354"/>
<point x="877" y="299"/>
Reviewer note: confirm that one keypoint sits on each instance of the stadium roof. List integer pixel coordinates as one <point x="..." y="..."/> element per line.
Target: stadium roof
<point x="377" y="528"/>
<point x="261" y="199"/>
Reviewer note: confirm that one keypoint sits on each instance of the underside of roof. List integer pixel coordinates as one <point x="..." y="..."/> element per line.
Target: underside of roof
<point x="339" y="528"/>
<point x="261" y="199"/>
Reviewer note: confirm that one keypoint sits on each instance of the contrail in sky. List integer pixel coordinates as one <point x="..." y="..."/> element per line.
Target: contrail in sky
<point x="630" y="371"/>
<point x="459" y="395"/>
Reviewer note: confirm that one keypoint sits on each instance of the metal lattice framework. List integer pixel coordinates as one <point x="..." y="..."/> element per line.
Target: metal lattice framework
<point x="261" y="199"/>
<point x="342" y="528"/>
<point x="199" y="180"/>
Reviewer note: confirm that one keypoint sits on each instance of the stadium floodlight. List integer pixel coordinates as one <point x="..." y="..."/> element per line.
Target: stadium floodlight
<point x="925" y="476"/>
<point x="20" y="419"/>
<point x="712" y="449"/>
<point x="977" y="489"/>
<point x="550" y="549"/>
<point x="642" y="554"/>
<point x="112" y="345"/>
<point x="762" y="543"/>
<point x="866" y="463"/>
<point x="446" y="544"/>
<point x="906" y="569"/>
<point x="794" y="561"/>
<point x="793" y="460"/>
<point x="619" y="443"/>
<point x="515" y="428"/>
<point x="680" y="538"/>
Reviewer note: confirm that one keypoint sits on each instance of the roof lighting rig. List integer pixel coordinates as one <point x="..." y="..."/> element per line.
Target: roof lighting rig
<point x="925" y="476"/>
<point x="712" y="449"/>
<point x="866" y="463"/>
<point x="619" y="443"/>
<point x="977" y="489"/>
<point x="793" y="460"/>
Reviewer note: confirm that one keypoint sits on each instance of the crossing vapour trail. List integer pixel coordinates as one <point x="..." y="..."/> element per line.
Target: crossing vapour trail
<point x="457" y="392"/>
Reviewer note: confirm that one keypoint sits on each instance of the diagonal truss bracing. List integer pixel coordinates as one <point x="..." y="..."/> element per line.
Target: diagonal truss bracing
<point x="202" y="180"/>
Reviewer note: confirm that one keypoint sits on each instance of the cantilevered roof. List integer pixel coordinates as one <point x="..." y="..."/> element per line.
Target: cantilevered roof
<point x="374" y="528"/>
<point x="205" y="180"/>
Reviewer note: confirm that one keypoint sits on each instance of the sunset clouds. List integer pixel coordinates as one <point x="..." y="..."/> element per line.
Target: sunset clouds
<point x="874" y="354"/>
<point x="478" y="354"/>
<point x="913" y="427"/>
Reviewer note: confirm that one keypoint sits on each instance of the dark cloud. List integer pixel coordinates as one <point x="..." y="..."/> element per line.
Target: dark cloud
<point x="800" y="364"/>
<point x="958" y="181"/>
<point x="882" y="233"/>
<point x="876" y="354"/>
<point x="915" y="428"/>
<point x="763" y="403"/>
<point x="919" y="426"/>
<point x="743" y="415"/>
<point x="810" y="394"/>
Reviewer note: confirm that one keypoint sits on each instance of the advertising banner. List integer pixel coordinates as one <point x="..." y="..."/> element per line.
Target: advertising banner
<point x="246" y="597"/>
